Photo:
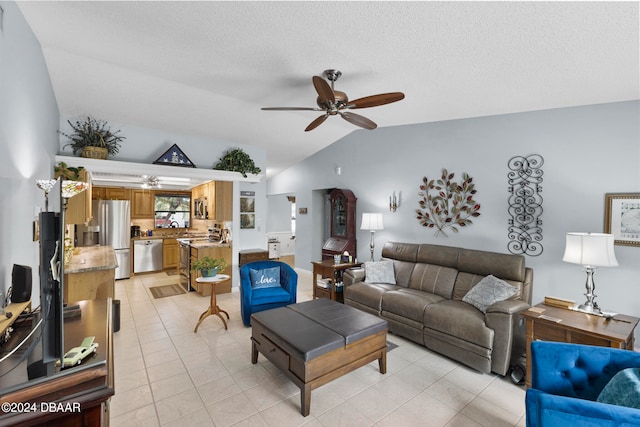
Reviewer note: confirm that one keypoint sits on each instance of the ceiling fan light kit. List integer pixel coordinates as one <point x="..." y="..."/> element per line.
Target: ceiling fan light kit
<point x="334" y="102"/>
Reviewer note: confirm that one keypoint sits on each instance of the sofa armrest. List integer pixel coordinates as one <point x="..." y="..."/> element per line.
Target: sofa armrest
<point x="353" y="275"/>
<point x="508" y="307"/>
<point x="544" y="409"/>
<point x="505" y="320"/>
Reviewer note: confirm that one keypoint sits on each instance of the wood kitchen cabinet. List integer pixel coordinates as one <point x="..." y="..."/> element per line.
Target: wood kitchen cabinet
<point x="79" y="208"/>
<point x="110" y="193"/>
<point x="142" y="204"/>
<point x="170" y="253"/>
<point x="223" y="200"/>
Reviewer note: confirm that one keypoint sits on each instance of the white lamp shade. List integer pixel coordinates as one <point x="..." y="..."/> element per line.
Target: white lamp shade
<point x="590" y="249"/>
<point x="372" y="221"/>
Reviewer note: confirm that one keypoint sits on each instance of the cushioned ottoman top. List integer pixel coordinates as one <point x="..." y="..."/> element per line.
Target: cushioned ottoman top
<point x="314" y="328"/>
<point x="347" y="321"/>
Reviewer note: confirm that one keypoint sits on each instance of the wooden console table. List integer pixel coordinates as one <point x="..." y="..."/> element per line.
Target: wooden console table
<point x="563" y="325"/>
<point x="327" y="268"/>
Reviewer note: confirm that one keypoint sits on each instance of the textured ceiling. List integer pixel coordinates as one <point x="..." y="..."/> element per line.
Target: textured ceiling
<point x="206" y="68"/>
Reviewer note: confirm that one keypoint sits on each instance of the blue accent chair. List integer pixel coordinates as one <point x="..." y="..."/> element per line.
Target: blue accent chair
<point x="566" y="380"/>
<point x="256" y="300"/>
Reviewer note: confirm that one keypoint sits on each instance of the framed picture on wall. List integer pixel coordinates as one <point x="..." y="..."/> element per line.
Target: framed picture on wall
<point x="247" y="209"/>
<point x="622" y="218"/>
<point x="247" y="220"/>
<point x="247" y="204"/>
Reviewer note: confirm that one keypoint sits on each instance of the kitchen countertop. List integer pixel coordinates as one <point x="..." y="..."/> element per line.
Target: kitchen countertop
<point x="177" y="237"/>
<point x="91" y="258"/>
<point x="198" y="244"/>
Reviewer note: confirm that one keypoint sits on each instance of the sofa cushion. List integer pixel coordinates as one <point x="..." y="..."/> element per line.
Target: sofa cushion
<point x="379" y="272"/>
<point x="434" y="279"/>
<point x="367" y="294"/>
<point x="400" y="251"/>
<point x="446" y="256"/>
<point x="623" y="389"/>
<point x="262" y="296"/>
<point x="489" y="291"/>
<point x="408" y="303"/>
<point x="460" y="320"/>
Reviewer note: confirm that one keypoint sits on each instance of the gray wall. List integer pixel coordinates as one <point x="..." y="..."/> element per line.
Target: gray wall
<point x="279" y="213"/>
<point x="588" y="151"/>
<point x="28" y="140"/>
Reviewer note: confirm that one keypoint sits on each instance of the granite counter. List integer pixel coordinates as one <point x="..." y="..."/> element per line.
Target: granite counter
<point x="90" y="274"/>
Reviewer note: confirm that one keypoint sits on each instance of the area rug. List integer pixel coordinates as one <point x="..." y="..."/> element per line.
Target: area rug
<point x="391" y="346"/>
<point x="166" y="291"/>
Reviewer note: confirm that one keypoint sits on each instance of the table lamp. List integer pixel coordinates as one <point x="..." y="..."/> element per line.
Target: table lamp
<point x="372" y="222"/>
<point x="590" y="250"/>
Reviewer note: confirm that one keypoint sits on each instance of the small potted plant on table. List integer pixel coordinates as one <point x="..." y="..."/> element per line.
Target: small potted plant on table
<point x="208" y="266"/>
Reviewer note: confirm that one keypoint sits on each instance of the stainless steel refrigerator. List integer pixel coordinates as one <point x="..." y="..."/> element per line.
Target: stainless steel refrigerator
<point x="112" y="224"/>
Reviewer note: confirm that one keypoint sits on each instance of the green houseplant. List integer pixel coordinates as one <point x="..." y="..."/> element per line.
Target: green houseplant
<point x="208" y="266"/>
<point x="67" y="172"/>
<point x="236" y="160"/>
<point x="93" y="138"/>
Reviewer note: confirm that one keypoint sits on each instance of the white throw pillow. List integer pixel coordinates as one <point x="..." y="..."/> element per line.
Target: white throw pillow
<point x="489" y="291"/>
<point x="379" y="272"/>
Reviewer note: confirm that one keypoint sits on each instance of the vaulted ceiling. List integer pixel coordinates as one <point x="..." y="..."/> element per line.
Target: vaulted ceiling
<point x="206" y="68"/>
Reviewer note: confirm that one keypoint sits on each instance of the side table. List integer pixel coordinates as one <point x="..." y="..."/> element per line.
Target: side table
<point x="564" y="325"/>
<point x="213" y="305"/>
<point x="327" y="268"/>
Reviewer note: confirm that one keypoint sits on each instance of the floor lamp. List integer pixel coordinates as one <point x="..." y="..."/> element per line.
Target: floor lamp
<point x="372" y="222"/>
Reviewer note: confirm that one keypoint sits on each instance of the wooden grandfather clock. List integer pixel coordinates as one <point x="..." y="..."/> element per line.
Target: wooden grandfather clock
<point x="343" y="224"/>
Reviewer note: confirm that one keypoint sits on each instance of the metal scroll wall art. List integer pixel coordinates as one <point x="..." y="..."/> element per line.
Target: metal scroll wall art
<point x="525" y="205"/>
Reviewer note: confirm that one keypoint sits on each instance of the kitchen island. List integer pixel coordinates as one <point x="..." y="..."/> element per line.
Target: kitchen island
<point x="192" y="249"/>
<point x="90" y="274"/>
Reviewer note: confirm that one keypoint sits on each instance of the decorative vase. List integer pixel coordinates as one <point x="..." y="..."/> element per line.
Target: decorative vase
<point x="209" y="272"/>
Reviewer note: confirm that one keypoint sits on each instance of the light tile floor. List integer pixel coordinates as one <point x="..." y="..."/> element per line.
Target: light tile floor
<point x="165" y="374"/>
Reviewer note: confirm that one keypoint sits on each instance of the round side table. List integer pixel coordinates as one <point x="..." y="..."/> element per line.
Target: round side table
<point x="213" y="307"/>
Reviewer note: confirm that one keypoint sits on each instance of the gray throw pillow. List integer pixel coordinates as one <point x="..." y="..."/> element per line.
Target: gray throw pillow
<point x="379" y="272"/>
<point x="489" y="291"/>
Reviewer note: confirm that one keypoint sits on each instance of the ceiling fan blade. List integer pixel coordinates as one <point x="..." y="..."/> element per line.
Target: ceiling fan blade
<point x="317" y="122"/>
<point x="358" y="120"/>
<point x="375" y="100"/>
<point x="325" y="94"/>
<point x="291" y="109"/>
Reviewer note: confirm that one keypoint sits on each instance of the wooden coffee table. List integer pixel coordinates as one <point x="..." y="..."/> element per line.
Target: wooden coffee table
<point x="317" y="341"/>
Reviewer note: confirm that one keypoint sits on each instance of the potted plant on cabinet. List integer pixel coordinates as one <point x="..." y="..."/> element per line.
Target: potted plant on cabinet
<point x="236" y="160"/>
<point x="93" y="139"/>
<point x="208" y="266"/>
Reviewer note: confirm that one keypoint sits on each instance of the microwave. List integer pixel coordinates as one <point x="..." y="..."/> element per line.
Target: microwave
<point x="200" y="208"/>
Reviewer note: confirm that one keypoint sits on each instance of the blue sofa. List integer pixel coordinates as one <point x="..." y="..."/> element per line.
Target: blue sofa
<point x="566" y="380"/>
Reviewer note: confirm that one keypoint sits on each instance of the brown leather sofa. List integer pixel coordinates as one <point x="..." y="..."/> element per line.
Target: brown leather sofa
<point x="425" y="305"/>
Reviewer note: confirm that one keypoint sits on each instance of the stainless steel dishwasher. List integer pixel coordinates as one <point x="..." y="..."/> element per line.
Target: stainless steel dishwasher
<point x="147" y="255"/>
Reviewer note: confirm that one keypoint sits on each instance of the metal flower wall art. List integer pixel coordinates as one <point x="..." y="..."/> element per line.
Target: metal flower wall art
<point x="445" y="203"/>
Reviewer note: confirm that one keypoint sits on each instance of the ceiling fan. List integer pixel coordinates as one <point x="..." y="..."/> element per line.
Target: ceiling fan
<point x="334" y="102"/>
